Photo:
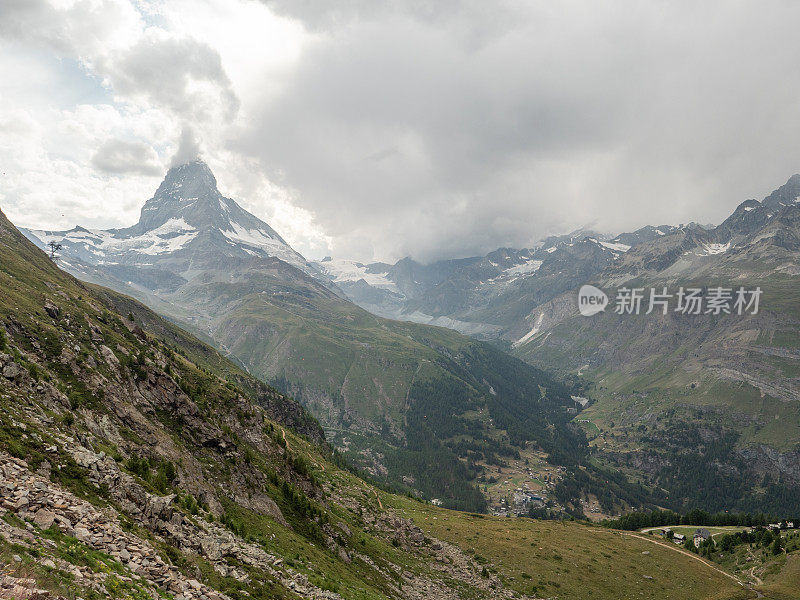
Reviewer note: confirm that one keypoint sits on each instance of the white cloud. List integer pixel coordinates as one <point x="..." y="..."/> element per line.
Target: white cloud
<point x="149" y="73"/>
<point x="122" y="156"/>
<point x="442" y="133"/>
<point x="375" y="130"/>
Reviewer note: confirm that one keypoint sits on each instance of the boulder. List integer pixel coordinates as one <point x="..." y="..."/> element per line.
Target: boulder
<point x="44" y="518"/>
<point x="417" y="537"/>
<point x="109" y="356"/>
<point x="52" y="310"/>
<point x="11" y="370"/>
<point x="211" y="548"/>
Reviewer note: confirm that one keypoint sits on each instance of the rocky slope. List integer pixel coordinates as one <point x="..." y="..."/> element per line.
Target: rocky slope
<point x="130" y="471"/>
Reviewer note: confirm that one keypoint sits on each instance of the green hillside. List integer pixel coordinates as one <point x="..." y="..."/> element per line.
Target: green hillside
<point x="131" y="471"/>
<point x="422" y="409"/>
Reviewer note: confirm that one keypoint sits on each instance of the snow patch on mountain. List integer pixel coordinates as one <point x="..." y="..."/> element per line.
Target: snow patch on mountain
<point x="349" y="271"/>
<point x="710" y="249"/>
<point x="169" y="237"/>
<point x="615" y="246"/>
<point x="262" y="240"/>
<point x="526" y="268"/>
<point x="76" y="236"/>
<point x="464" y="327"/>
<point x="531" y="333"/>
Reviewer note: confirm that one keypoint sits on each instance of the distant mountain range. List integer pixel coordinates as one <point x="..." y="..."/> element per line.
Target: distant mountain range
<point x="430" y="410"/>
<point x="485" y="296"/>
<point x="706" y="405"/>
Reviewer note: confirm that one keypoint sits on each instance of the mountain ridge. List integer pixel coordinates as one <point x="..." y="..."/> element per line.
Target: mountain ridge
<point x="486" y="296"/>
<point x="482" y="296"/>
<point x="130" y="471"/>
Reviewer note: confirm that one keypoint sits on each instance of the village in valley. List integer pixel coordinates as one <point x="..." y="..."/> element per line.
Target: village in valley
<point x="517" y="486"/>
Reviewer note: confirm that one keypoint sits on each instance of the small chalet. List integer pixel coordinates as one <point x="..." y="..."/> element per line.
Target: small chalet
<point x="700" y="536"/>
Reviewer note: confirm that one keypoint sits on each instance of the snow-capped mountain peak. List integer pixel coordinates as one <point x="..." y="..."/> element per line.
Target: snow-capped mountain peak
<point x="187" y="190"/>
<point x="189" y="193"/>
<point x="185" y="220"/>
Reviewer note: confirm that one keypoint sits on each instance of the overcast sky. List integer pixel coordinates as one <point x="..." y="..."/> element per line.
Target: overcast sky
<point x="383" y="129"/>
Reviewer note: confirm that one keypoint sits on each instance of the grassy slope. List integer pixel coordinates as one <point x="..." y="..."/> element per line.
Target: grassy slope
<point x="369" y="380"/>
<point x="636" y="353"/>
<point x="328" y="347"/>
<point x="785" y="583"/>
<point x="207" y="357"/>
<point x="28" y="280"/>
<point x="570" y="560"/>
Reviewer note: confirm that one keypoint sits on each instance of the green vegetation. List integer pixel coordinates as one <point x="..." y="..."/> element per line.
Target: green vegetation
<point x="693" y="407"/>
<point x="159" y="475"/>
<point x="423" y="409"/>
<point x="663" y="518"/>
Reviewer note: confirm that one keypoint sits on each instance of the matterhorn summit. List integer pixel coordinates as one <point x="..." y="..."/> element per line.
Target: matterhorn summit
<point x="187" y="222"/>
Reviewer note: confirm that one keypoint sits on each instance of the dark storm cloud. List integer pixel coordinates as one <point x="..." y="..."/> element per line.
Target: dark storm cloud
<point x="497" y="125"/>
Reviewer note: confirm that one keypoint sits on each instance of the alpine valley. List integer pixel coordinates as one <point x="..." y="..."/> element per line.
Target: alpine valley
<point x="137" y="462"/>
<point x="190" y="409"/>
<point x="705" y="407"/>
<point x="462" y="380"/>
<point x="425" y="409"/>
